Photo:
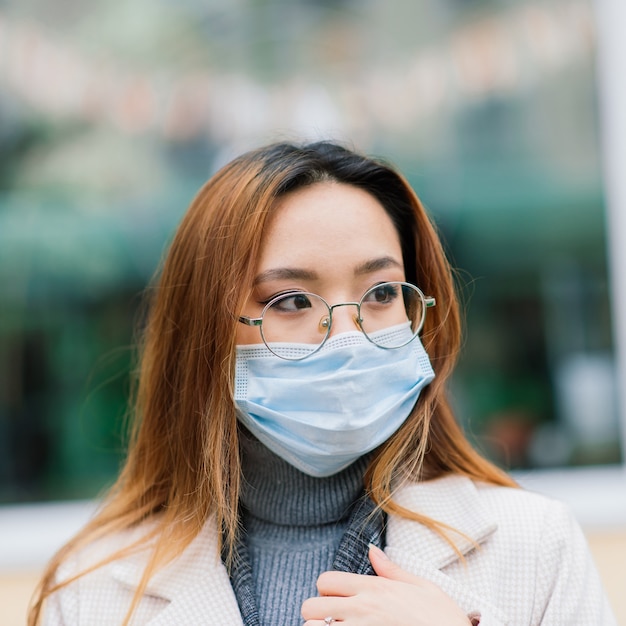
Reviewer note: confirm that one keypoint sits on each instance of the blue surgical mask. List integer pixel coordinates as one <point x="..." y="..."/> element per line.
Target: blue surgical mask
<point x="322" y="413"/>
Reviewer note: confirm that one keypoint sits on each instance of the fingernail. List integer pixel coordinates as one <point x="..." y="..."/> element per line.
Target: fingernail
<point x="377" y="549"/>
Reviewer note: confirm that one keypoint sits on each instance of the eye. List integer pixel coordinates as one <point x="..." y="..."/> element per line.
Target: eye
<point x="386" y="293"/>
<point x="292" y="303"/>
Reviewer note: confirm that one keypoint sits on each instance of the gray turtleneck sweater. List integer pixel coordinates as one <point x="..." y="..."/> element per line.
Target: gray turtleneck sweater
<point x="293" y="525"/>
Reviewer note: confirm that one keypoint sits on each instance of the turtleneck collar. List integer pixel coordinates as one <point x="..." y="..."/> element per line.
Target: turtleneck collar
<point x="276" y="492"/>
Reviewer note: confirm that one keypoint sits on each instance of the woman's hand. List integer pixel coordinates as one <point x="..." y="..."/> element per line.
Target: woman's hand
<point x="393" y="597"/>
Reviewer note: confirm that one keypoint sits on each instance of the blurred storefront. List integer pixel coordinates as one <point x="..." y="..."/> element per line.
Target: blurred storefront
<point x="113" y="114"/>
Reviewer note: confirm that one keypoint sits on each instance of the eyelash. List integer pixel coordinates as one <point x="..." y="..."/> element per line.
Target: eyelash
<point x="266" y="301"/>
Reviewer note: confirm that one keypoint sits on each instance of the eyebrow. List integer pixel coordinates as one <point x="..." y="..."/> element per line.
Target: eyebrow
<point x="285" y="273"/>
<point x="374" y="265"/>
<point x="295" y="273"/>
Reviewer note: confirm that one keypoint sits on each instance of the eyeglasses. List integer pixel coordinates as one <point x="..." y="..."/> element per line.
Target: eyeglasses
<point x="306" y="318"/>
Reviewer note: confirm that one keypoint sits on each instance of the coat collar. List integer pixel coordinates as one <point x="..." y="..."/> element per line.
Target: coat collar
<point x="197" y="583"/>
<point x="454" y="502"/>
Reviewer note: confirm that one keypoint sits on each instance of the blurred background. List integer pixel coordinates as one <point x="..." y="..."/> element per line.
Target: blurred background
<point x="504" y="115"/>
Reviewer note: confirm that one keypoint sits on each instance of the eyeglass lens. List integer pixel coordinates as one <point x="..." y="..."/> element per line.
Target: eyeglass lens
<point x="297" y="318"/>
<point x="306" y="318"/>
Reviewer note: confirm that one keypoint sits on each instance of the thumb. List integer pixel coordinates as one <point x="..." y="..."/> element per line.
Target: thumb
<point x="386" y="568"/>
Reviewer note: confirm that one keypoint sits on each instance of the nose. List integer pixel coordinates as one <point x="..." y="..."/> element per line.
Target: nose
<point x="345" y="319"/>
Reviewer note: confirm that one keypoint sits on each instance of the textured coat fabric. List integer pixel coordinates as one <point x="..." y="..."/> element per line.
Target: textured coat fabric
<point x="525" y="562"/>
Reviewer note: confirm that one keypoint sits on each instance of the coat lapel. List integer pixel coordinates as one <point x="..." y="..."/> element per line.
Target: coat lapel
<point x="453" y="501"/>
<point x="196" y="584"/>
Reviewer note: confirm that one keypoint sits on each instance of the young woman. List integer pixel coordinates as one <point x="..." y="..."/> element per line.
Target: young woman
<point x="293" y="457"/>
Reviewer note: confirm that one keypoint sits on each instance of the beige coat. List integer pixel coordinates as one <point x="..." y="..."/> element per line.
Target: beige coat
<point x="532" y="567"/>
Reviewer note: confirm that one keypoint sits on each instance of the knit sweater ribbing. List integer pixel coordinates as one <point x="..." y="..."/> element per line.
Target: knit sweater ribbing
<point x="293" y="524"/>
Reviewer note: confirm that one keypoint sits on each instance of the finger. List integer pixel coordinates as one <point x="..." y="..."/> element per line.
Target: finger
<point x="319" y="608"/>
<point x="327" y="621"/>
<point x="342" y="584"/>
<point x="386" y="568"/>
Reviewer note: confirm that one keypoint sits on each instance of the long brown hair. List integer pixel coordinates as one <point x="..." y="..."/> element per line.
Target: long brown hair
<point x="183" y="460"/>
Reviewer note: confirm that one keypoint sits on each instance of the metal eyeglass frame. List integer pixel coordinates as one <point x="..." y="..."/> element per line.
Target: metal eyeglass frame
<point x="427" y="301"/>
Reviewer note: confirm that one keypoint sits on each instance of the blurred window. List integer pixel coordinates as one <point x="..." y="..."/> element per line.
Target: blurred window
<point x="111" y="117"/>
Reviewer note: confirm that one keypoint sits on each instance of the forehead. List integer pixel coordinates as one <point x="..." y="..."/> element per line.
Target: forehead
<point x="328" y="220"/>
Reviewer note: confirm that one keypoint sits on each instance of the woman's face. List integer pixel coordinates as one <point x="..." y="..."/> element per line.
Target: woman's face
<point x="331" y="239"/>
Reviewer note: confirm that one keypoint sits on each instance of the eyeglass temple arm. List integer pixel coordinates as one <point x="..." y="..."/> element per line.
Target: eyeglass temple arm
<point x="250" y="321"/>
